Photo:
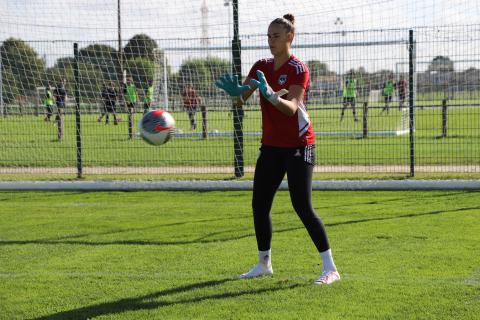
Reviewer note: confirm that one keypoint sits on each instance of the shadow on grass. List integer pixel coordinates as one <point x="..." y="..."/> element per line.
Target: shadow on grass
<point x="434" y="196"/>
<point x="202" y="240"/>
<point x="145" y="302"/>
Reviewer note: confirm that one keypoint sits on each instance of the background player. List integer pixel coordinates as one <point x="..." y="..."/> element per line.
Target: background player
<point x="350" y="95"/>
<point x="109" y="99"/>
<point x="287" y="144"/>
<point x="388" y="88"/>
<point x="191" y="101"/>
<point x="131" y="97"/>
<point x="60" y="95"/>
<point x="48" y="102"/>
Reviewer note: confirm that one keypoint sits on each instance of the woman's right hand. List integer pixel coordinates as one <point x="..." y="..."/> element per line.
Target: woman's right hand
<point x="230" y="85"/>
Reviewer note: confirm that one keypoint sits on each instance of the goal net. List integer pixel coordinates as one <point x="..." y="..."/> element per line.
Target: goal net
<point x="362" y="44"/>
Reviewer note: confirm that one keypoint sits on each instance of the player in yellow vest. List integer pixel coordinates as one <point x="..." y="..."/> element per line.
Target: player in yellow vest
<point x="350" y="95"/>
<point x="48" y="102"/>
<point x="131" y="96"/>
<point x="388" y="88"/>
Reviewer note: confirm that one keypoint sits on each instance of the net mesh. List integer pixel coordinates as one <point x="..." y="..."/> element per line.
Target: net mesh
<point x="182" y="48"/>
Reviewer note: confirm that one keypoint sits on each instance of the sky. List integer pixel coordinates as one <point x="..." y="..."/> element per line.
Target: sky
<point x="62" y="22"/>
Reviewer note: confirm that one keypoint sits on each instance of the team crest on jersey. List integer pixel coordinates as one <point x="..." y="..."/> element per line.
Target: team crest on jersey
<point x="282" y="79"/>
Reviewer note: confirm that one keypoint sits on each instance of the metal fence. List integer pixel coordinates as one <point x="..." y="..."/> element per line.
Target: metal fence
<point x="429" y="123"/>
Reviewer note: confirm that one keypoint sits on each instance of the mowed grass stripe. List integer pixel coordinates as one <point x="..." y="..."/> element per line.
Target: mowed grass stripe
<point x="176" y="255"/>
<point x="28" y="141"/>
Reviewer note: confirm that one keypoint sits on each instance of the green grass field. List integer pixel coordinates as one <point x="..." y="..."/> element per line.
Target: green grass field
<point x="159" y="255"/>
<point x="28" y="141"/>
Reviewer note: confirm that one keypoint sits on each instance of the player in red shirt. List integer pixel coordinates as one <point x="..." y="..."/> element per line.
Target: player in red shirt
<point x="191" y="101"/>
<point x="287" y="144"/>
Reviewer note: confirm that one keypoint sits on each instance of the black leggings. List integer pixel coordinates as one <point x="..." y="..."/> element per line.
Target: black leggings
<point x="272" y="164"/>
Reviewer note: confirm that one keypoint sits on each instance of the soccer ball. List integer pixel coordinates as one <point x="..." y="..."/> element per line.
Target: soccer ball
<point x="157" y="127"/>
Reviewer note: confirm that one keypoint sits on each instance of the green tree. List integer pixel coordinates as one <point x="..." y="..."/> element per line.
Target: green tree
<point x="202" y="72"/>
<point x="317" y="68"/>
<point x="90" y="80"/>
<point x="65" y="62"/>
<point x="102" y="57"/>
<point x="140" y="46"/>
<point x="196" y="72"/>
<point x="23" y="63"/>
<point x="217" y="66"/>
<point x="141" y="70"/>
<point x="441" y="64"/>
<point x="10" y="87"/>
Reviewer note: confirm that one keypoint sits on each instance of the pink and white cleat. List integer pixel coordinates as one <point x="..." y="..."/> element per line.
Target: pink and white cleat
<point x="328" y="277"/>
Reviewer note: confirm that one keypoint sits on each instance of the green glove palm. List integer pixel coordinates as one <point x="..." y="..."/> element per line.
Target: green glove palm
<point x="230" y="85"/>
<point x="266" y="90"/>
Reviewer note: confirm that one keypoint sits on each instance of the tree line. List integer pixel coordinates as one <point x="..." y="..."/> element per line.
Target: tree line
<point x="23" y="70"/>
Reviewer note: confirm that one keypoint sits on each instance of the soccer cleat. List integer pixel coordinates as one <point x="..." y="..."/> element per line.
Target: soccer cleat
<point x="258" y="271"/>
<point x="328" y="277"/>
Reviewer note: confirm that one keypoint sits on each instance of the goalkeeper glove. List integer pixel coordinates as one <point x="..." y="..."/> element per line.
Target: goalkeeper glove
<point x="230" y="85"/>
<point x="266" y="90"/>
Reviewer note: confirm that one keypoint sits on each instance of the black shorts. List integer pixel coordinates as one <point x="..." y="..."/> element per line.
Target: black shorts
<point x="190" y="109"/>
<point x="388" y="98"/>
<point x="110" y="108"/>
<point x="349" y="100"/>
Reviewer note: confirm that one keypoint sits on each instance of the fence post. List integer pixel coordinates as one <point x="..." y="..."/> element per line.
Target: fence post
<point x="2" y="107"/>
<point x="77" y="112"/>
<point x="237" y="112"/>
<point x="411" y="99"/>
<point x="444" y="118"/>
<point x="365" y="119"/>
<point x="203" y="108"/>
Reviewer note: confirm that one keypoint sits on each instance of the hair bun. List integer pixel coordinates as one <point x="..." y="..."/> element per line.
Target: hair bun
<point x="289" y="17"/>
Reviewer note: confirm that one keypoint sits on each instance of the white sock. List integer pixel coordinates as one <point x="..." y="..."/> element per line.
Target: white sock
<point x="264" y="257"/>
<point x="327" y="259"/>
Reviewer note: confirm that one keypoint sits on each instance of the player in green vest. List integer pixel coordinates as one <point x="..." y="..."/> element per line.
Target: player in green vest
<point x="350" y="95"/>
<point x="148" y="97"/>
<point x="48" y="102"/>
<point x="388" y="88"/>
<point x="131" y="96"/>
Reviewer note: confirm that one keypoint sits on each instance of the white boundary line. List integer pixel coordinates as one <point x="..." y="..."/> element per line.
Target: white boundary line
<point x="209" y="185"/>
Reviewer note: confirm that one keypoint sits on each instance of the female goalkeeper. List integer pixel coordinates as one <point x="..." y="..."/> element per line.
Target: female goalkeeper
<point x="287" y="144"/>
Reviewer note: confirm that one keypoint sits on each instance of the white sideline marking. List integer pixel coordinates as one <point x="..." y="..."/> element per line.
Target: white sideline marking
<point x="206" y="185"/>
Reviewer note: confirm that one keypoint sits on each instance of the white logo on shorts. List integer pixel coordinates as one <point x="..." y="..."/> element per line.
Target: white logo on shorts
<point x="297" y="154"/>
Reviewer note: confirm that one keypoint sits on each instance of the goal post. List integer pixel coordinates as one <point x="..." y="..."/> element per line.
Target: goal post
<point x="39" y="94"/>
<point x="160" y="80"/>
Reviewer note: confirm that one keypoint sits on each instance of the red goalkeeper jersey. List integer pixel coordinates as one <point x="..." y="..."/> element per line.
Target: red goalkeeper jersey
<point x="278" y="129"/>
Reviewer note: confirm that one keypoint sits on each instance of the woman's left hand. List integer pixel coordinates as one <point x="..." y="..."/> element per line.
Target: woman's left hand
<point x="266" y="90"/>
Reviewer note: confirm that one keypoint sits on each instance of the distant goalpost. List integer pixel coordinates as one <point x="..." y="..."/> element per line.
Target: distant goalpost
<point x="162" y="98"/>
